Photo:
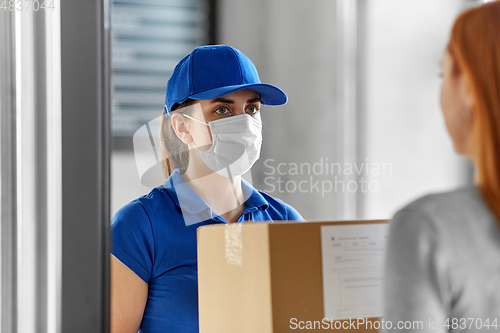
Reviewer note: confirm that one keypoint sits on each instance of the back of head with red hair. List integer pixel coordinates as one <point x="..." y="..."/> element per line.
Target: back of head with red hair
<point x="475" y="46"/>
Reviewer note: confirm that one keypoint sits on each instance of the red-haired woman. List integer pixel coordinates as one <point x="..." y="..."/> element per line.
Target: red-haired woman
<point x="443" y="257"/>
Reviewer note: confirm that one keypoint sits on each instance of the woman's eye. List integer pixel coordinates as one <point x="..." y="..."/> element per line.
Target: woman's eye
<point x="252" y="109"/>
<point x="222" y="110"/>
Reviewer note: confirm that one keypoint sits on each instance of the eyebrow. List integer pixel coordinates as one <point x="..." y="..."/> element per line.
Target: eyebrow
<point x="222" y="100"/>
<point x="254" y="100"/>
<point x="230" y="101"/>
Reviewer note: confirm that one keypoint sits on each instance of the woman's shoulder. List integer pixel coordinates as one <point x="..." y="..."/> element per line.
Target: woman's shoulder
<point x="457" y="201"/>
<point x="141" y="207"/>
<point x="455" y="213"/>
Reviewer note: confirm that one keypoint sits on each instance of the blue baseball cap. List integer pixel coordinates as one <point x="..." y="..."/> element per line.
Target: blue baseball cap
<point x="212" y="71"/>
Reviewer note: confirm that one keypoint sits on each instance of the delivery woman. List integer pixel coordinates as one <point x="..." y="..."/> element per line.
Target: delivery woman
<point x="443" y="256"/>
<point x="211" y="134"/>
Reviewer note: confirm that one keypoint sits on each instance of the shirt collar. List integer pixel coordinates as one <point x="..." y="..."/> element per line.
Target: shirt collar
<point x="187" y="199"/>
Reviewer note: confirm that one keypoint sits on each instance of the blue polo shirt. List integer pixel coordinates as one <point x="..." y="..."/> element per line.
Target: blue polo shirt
<point x="155" y="236"/>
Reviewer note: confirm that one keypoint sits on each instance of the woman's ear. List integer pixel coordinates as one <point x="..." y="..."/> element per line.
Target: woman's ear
<point x="465" y="90"/>
<point x="179" y="125"/>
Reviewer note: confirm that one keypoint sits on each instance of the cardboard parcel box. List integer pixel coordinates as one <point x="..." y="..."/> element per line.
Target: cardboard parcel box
<point x="291" y="276"/>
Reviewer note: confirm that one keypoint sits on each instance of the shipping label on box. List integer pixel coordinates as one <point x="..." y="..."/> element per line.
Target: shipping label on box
<point x="353" y="266"/>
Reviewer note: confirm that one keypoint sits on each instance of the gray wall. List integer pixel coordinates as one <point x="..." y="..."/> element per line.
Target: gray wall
<point x="405" y="127"/>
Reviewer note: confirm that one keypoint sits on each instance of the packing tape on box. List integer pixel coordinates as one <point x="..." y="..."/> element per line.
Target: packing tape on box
<point x="233" y="244"/>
